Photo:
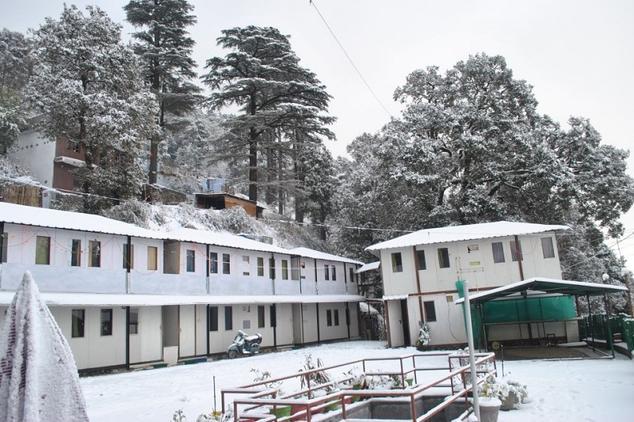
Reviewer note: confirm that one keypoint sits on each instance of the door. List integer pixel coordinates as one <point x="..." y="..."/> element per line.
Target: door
<point x="187" y="331"/>
<point x="170" y="331"/>
<point x="297" y="324"/>
<point x="405" y="324"/>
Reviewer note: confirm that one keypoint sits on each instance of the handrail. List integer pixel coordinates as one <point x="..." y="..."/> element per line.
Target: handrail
<point x="314" y="404"/>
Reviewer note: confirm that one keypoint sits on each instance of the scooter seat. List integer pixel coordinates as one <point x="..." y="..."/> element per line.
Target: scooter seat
<point x="253" y="337"/>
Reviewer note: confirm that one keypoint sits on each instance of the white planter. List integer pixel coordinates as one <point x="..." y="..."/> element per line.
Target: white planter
<point x="489" y="409"/>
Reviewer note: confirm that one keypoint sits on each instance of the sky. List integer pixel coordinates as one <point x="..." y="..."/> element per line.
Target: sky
<point x="577" y="54"/>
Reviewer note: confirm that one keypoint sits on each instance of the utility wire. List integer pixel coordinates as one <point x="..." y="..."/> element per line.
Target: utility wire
<point x="345" y="52"/>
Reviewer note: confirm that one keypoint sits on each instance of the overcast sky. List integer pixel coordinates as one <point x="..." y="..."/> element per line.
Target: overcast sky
<point x="578" y="55"/>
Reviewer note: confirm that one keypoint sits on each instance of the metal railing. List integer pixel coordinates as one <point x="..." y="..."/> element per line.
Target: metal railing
<point x="260" y="398"/>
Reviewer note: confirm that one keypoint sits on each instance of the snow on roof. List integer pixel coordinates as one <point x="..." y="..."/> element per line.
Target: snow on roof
<point x="46" y="217"/>
<point x="369" y="267"/>
<point x="465" y="232"/>
<point x="99" y="299"/>
<point x="311" y="253"/>
<point x="548" y="285"/>
<point x="222" y="238"/>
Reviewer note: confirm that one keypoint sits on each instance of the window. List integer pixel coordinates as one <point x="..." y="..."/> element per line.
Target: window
<point x="327" y="272"/>
<point x="273" y="316"/>
<point x="329" y="318"/>
<point x="133" y="322"/>
<point x="498" y="252"/>
<point x="75" y="253"/>
<point x="213" y="263"/>
<point x="260" y="316"/>
<point x="43" y="250"/>
<point x="213" y="318"/>
<point x="226" y="263"/>
<point x="4" y="244"/>
<point x="430" y="311"/>
<point x="152" y="258"/>
<point x="260" y="266"/>
<point x="295" y="268"/>
<point x="106" y="322"/>
<point x="78" y="318"/>
<point x="246" y="262"/>
<point x="284" y="269"/>
<point x="397" y="262"/>
<point x="191" y="261"/>
<point x="547" y="247"/>
<point x="334" y="273"/>
<point x="336" y="312"/>
<point x="125" y="256"/>
<point x="272" y="268"/>
<point x="443" y="257"/>
<point x="228" y="318"/>
<point x="351" y="275"/>
<point x="420" y="256"/>
<point x="94" y="253"/>
<point x="516" y="251"/>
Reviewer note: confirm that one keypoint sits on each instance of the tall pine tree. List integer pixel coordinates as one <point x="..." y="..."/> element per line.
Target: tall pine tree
<point x="277" y="96"/>
<point x="88" y="88"/>
<point x="165" y="49"/>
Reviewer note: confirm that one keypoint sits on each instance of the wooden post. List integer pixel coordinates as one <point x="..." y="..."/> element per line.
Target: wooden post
<point x="420" y="299"/>
<point x="318" y="331"/>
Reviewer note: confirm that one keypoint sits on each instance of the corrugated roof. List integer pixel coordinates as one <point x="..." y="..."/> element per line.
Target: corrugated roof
<point x="221" y="238"/>
<point x="465" y="232"/>
<point x="369" y="267"/>
<point x="312" y="253"/>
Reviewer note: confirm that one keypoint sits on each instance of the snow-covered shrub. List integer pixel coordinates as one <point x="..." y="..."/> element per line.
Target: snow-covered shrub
<point x="259" y="376"/>
<point x="133" y="212"/>
<point x="510" y="393"/>
<point x="314" y="378"/>
<point x="424" y="336"/>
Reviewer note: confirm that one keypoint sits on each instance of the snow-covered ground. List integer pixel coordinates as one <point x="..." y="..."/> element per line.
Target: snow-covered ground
<point x="588" y="390"/>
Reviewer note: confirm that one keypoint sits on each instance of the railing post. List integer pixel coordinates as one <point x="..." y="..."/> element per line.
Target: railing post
<point x="363" y="364"/>
<point x="415" y="371"/>
<point x="235" y="412"/>
<point x="308" y="413"/>
<point x="343" y="406"/>
<point x="413" y="407"/>
<point x="402" y="374"/>
<point x="222" y="401"/>
<point x="310" y="392"/>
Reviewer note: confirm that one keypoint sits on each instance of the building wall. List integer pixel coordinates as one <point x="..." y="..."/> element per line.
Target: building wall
<point x="36" y="154"/>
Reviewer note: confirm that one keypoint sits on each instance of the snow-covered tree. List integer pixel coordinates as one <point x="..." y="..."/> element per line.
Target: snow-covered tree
<point x="15" y="69"/>
<point x="165" y="48"/>
<point x="89" y="90"/>
<point x="277" y="96"/>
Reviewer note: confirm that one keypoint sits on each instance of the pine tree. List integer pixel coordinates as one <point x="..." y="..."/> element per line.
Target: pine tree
<point x="88" y="88"/>
<point x="165" y="50"/>
<point x="15" y="69"/>
<point x="277" y="96"/>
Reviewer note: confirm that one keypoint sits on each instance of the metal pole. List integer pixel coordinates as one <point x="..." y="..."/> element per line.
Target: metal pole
<point x="474" y="374"/>
<point x="610" y="338"/>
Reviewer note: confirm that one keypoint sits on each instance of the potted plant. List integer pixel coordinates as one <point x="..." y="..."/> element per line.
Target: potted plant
<point x="424" y="336"/>
<point x="489" y="402"/>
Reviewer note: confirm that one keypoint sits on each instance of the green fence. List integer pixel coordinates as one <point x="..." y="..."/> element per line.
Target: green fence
<point x="597" y="328"/>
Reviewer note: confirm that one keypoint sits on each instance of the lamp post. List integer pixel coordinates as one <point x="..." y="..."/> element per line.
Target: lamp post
<point x="474" y="374"/>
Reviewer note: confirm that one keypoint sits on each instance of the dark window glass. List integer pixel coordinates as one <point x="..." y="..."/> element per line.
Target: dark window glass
<point x="334" y="273"/>
<point x="351" y="275"/>
<point x="75" y="253"/>
<point x="430" y="311"/>
<point x="226" y="263"/>
<point x="516" y="251"/>
<point x="422" y="263"/>
<point x="94" y="250"/>
<point x="443" y="257"/>
<point x="328" y="317"/>
<point x="327" y="272"/>
<point x="260" y="316"/>
<point x="548" y="249"/>
<point x="273" y="316"/>
<point x="191" y="261"/>
<point x="213" y="263"/>
<point x="4" y="245"/>
<point x="397" y="262"/>
<point x="228" y="318"/>
<point x="134" y="321"/>
<point x="260" y="266"/>
<point x="272" y="268"/>
<point x="43" y="250"/>
<point x="78" y="318"/>
<point x="284" y="269"/>
<point x="336" y="312"/>
<point x="125" y="256"/>
<point x="498" y="252"/>
<point x="213" y="318"/>
<point x="106" y="322"/>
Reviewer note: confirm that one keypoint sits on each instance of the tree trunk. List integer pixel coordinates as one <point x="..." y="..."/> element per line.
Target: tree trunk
<point x="270" y="176"/>
<point x="253" y="155"/>
<point x="280" y="189"/>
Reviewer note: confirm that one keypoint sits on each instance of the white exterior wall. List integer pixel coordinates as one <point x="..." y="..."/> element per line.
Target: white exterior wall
<point x="35" y="153"/>
<point x="59" y="276"/>
<point x="330" y="286"/>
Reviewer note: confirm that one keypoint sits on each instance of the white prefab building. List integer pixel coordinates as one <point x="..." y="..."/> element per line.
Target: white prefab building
<point x="124" y="295"/>
<point x="420" y="271"/>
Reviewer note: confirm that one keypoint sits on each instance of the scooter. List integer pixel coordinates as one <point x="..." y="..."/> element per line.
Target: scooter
<point x="244" y="344"/>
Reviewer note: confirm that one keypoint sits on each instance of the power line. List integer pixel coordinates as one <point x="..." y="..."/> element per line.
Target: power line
<point x="345" y="52"/>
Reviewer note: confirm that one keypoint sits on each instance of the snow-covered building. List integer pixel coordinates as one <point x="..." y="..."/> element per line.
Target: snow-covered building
<point x="124" y="295"/>
<point x="420" y="272"/>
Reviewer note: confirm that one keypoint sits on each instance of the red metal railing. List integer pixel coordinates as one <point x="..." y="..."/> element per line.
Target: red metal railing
<point x="261" y="399"/>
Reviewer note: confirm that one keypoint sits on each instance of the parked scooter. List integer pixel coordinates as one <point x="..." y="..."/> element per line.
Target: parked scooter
<point x="244" y="345"/>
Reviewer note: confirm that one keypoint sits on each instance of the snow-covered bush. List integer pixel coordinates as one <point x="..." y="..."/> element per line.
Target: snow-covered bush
<point x="424" y="336"/>
<point x="314" y="378"/>
<point x="510" y="393"/>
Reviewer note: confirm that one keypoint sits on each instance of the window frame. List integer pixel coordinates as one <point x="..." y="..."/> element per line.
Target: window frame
<point x="190" y="258"/>
<point x="295" y="268"/>
<point x="272" y="273"/>
<point x="397" y="262"/>
<point x="500" y="258"/>
<point x="213" y="316"/>
<point x="4" y="246"/>
<point x="261" y="316"/>
<point x="75" y="253"/>
<point x="152" y="252"/>
<point x="284" y="269"/>
<point x="105" y="326"/>
<point x="133" y="322"/>
<point x="326" y="272"/>
<point x="551" y="245"/>
<point x="42" y="242"/>
<point x="516" y="250"/>
<point x="226" y="263"/>
<point x="426" y="306"/>
<point x="328" y="318"/>
<point x="260" y="265"/>
<point x="94" y="253"/>
<point x="333" y="274"/>
<point x="213" y="262"/>
<point x="444" y="261"/>
<point x="336" y="317"/>
<point x="228" y="318"/>
<point x="422" y="264"/>
<point x="78" y="324"/>
<point x="125" y="256"/>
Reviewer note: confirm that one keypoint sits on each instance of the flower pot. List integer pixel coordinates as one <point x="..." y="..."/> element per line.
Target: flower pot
<point x="489" y="409"/>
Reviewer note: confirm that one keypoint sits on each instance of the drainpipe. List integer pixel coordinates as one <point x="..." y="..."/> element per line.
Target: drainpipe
<point x="272" y="260"/>
<point x="316" y="284"/>
<point x="518" y="253"/>
<point x="345" y="281"/>
<point x="127" y="336"/>
<point x="420" y="299"/>
<point x="318" y="331"/>
<point x="348" y="318"/>
<point x="299" y="271"/>
<point x="128" y="264"/>
<point x="208" y="289"/>
<point x="2" y="251"/>
<point x="207" y="311"/>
